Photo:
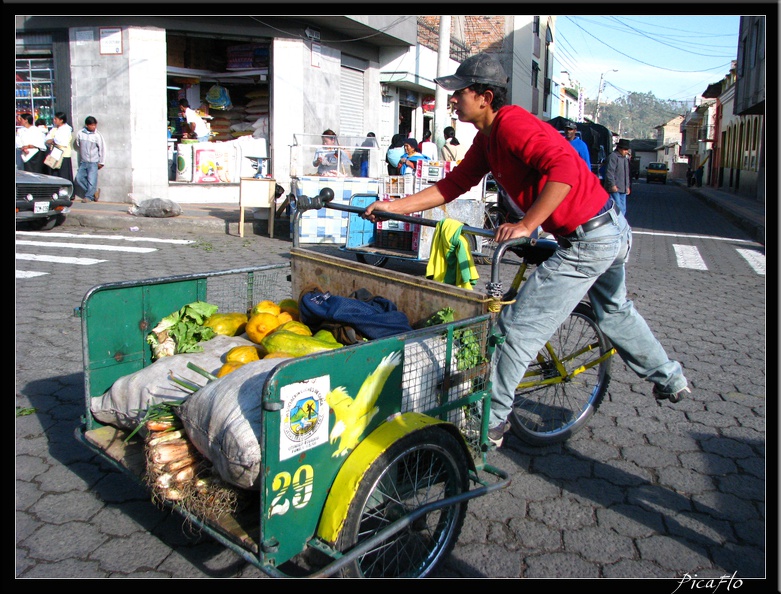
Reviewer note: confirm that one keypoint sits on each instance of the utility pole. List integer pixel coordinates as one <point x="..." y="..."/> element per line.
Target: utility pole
<point x="599" y="92"/>
<point x="440" y="94"/>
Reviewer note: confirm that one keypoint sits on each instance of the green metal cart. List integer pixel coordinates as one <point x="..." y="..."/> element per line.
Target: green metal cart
<point x="388" y="500"/>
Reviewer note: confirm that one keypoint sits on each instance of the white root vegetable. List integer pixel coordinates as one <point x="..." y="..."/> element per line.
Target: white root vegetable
<point x="171" y="450"/>
<point x="163" y="436"/>
<point x="185" y="474"/>
<point x="175" y="465"/>
<point x="173" y="494"/>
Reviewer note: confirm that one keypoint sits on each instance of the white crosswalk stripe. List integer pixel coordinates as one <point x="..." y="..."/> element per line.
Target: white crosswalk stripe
<point x="688" y="256"/>
<point x="49" y="240"/>
<point x="88" y="246"/>
<point x="754" y="259"/>
<point x="59" y="259"/>
<point x="111" y="237"/>
<point x="29" y="274"/>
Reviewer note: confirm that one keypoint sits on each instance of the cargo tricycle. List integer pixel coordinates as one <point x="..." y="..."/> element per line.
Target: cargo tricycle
<point x="374" y="482"/>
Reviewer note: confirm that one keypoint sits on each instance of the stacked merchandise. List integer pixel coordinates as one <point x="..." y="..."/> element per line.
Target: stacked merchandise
<point x="257" y="110"/>
<point x="223" y="122"/>
<point x="247" y="57"/>
<point x="253" y="118"/>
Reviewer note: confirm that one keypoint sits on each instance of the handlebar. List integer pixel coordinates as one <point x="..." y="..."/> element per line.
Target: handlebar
<point x="324" y="200"/>
<point x="325" y="197"/>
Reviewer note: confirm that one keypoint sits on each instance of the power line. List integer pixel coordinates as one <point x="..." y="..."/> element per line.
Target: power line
<point x="652" y="38"/>
<point x="646" y="63"/>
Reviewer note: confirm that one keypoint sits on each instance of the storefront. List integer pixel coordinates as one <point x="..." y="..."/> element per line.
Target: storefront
<point x="226" y="81"/>
<point x="131" y="71"/>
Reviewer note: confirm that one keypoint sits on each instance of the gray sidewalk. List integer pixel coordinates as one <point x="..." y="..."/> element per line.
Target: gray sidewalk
<point x="746" y="213"/>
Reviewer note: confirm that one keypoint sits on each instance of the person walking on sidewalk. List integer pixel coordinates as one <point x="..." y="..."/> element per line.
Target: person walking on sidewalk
<point x="617" y="176"/>
<point x="92" y="156"/>
<point x="557" y="191"/>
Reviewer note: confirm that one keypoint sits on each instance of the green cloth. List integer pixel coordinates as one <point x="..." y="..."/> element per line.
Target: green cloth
<point x="451" y="260"/>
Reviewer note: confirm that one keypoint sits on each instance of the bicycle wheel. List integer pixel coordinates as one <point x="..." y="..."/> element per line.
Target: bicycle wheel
<point x="550" y="407"/>
<point x="420" y="468"/>
<point x="492" y="219"/>
<point x="372" y="260"/>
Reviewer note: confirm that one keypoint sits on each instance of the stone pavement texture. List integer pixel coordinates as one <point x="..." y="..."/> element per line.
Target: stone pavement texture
<point x="645" y="491"/>
<point x="745" y="212"/>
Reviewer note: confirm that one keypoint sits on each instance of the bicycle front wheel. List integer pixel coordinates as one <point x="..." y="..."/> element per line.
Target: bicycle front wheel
<point x="565" y="384"/>
<point x="420" y="468"/>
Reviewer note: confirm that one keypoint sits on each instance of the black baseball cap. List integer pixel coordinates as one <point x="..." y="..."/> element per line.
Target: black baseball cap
<point x="480" y="68"/>
<point x="571" y="126"/>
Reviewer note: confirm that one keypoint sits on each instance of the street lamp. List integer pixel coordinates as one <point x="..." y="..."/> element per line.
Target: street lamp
<point x="599" y="92"/>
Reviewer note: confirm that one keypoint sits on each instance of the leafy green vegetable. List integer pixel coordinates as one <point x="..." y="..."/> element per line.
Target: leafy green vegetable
<point x="467" y="346"/>
<point x="468" y="349"/>
<point x="443" y="316"/>
<point x="182" y="331"/>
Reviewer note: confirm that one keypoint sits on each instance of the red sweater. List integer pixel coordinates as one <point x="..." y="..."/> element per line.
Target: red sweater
<point x="524" y="153"/>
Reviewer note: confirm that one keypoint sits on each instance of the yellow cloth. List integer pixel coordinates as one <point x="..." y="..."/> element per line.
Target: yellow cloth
<point x="451" y="260"/>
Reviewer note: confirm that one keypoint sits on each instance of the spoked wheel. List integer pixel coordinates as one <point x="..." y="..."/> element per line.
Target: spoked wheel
<point x="372" y="260"/>
<point x="420" y="468"/>
<point x="548" y="410"/>
<point x="493" y="218"/>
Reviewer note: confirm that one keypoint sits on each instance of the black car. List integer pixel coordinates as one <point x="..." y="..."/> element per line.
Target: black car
<point x="42" y="201"/>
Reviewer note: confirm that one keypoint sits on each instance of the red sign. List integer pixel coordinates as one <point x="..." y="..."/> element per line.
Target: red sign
<point x="428" y="103"/>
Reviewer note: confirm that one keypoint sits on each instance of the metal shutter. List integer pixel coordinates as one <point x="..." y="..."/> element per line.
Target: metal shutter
<point x="351" y="103"/>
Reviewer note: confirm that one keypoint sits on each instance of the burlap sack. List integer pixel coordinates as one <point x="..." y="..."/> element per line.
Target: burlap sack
<point x="223" y="421"/>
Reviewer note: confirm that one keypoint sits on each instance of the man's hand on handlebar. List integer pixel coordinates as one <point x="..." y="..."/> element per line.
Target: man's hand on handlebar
<point x="377" y="206"/>
<point x="507" y="231"/>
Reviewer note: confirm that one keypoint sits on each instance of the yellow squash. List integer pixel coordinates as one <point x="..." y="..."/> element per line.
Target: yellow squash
<point x="296" y="345"/>
<point x="265" y="306"/>
<point x="227" y="324"/>
<point x="228" y="368"/>
<point x="260" y="325"/>
<point x="242" y="354"/>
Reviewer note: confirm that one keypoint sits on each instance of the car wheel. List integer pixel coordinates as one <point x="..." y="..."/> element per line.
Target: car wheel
<point x="43" y="224"/>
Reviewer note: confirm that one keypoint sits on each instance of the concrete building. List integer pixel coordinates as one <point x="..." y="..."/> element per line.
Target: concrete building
<point x="668" y="147"/>
<point x="287" y="77"/>
<point x="697" y="130"/>
<point x="746" y="147"/>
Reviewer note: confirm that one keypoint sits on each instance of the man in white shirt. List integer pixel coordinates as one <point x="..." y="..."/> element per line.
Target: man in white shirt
<point x="197" y="127"/>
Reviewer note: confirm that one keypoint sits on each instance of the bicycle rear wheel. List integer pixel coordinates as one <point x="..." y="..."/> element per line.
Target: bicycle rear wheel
<point x="550" y="408"/>
<point x="372" y="260"/>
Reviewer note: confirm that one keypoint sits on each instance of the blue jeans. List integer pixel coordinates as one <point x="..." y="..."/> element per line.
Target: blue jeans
<point x="619" y="199"/>
<point x="87" y="179"/>
<point x="593" y="263"/>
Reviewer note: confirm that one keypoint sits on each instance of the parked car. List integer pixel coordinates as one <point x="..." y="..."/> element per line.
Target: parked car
<point x="656" y="172"/>
<point x="42" y="201"/>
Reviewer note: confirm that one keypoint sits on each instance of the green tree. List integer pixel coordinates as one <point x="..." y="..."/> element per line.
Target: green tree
<point x="636" y="115"/>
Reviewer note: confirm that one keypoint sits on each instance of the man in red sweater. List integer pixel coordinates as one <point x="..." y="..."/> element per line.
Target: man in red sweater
<point x="557" y="191"/>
